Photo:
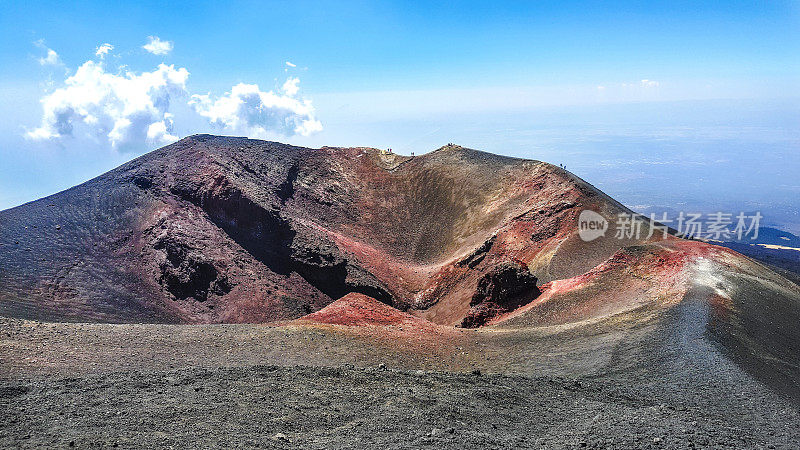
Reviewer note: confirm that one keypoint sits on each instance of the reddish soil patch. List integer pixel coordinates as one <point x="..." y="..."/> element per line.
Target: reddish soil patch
<point x="635" y="276"/>
<point x="360" y="310"/>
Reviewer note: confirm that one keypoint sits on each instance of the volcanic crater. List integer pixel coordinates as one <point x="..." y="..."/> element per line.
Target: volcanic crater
<point x="218" y="229"/>
<point x="453" y="261"/>
<point x="214" y="229"/>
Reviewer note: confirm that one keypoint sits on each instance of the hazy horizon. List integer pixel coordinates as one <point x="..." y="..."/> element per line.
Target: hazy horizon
<point x="698" y="112"/>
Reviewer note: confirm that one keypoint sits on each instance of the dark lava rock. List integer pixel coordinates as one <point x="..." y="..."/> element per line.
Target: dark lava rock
<point x="186" y="273"/>
<point x="475" y="258"/>
<point x="506" y="287"/>
<point x="504" y="284"/>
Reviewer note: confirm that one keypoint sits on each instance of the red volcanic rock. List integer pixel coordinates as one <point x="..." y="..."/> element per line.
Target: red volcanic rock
<point x="481" y="314"/>
<point x="221" y="229"/>
<point x="360" y="310"/>
<point x="215" y="229"/>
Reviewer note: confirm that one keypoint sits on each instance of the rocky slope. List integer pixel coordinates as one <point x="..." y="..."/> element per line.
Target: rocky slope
<point x="215" y="229"/>
<point x="226" y="230"/>
<point x="371" y="270"/>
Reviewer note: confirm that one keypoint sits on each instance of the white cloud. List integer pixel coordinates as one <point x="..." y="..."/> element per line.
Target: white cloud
<point x="130" y="110"/>
<point x="126" y="110"/>
<point x="160" y="131"/>
<point x="51" y="59"/>
<point x="156" y="46"/>
<point x="290" y="64"/>
<point x="103" y="50"/>
<point x="649" y="83"/>
<point x="248" y="109"/>
<point x="291" y="86"/>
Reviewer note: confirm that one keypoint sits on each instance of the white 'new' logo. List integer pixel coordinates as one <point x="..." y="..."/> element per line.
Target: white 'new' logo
<point x="591" y="225"/>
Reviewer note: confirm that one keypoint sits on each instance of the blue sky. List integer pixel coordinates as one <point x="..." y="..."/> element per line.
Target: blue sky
<point x="613" y="89"/>
<point x="354" y="46"/>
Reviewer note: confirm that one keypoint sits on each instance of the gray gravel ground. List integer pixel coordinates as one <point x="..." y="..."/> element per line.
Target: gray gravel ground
<point x="271" y="406"/>
<point x="641" y="381"/>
